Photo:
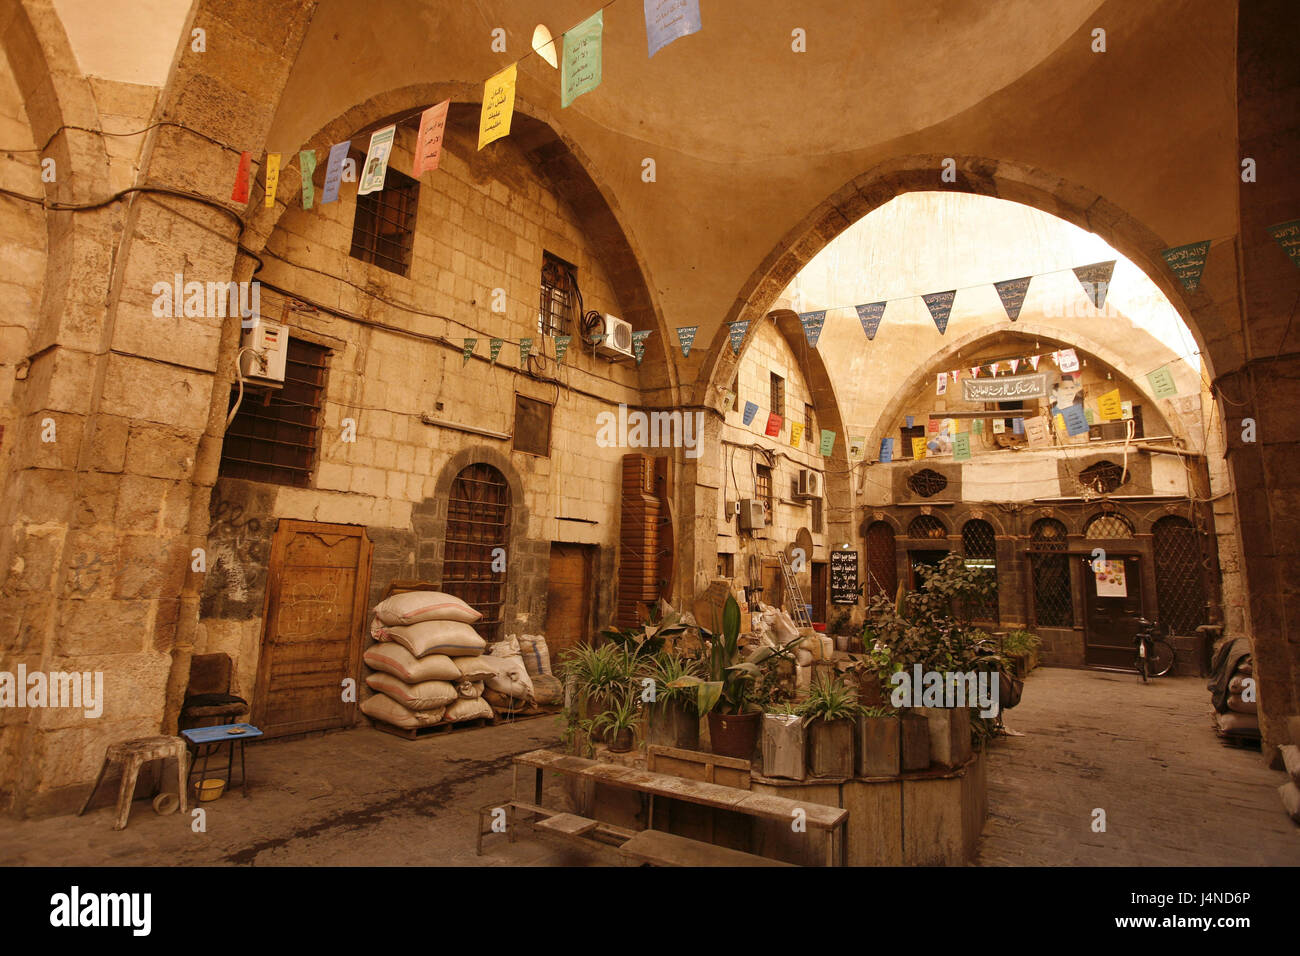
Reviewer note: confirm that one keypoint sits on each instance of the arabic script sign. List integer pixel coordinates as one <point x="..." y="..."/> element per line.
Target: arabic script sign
<point x="1005" y="389"/>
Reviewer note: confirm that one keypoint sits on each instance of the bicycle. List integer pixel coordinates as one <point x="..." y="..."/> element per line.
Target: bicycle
<point x="1155" y="658"/>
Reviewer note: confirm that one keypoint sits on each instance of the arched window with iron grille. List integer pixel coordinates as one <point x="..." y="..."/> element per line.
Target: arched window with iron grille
<point x="1180" y="583"/>
<point x="882" y="561"/>
<point x="927" y="526"/>
<point x="1108" y="524"/>
<point x="478" y="522"/>
<point x="1053" y="599"/>
<point x="979" y="544"/>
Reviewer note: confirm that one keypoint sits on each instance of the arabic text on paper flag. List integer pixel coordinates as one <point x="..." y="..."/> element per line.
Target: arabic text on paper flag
<point x="580" y="71"/>
<point x="1287" y="235"/>
<point x="669" y="20"/>
<point x="773" y="425"/>
<point x="525" y="347"/>
<point x="240" y="193"/>
<point x="638" y="344"/>
<point x="686" y="338"/>
<point x="494" y="349"/>
<point x="870" y="315"/>
<point x="381" y="147"/>
<point x="1188" y="262"/>
<point x="562" y="346"/>
<point x="428" y="142"/>
<point x="1067" y="360"/>
<point x="1162" y="382"/>
<point x="886" y="450"/>
<point x="1095" y="279"/>
<point x="1012" y="293"/>
<point x="469" y="350"/>
<point x="307" y="166"/>
<point x="812" y="323"/>
<point x="1109" y="405"/>
<point x="940" y="306"/>
<point x="828" y="442"/>
<point x="961" y="447"/>
<point x="334" y="172"/>
<point x="918" y="447"/>
<point x="272" y="178"/>
<point x="796" y="433"/>
<point x="1037" y="432"/>
<point x="738" y="334"/>
<point x="751" y="409"/>
<point x="1076" y="421"/>
<point x="498" y="106"/>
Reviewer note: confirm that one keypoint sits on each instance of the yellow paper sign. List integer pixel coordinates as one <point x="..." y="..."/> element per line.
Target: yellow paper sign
<point x="918" y="447"/>
<point x="272" y="177"/>
<point x="498" y="106"/>
<point x="796" y="433"/>
<point x="1060" y="423"/>
<point x="1109" y="405"/>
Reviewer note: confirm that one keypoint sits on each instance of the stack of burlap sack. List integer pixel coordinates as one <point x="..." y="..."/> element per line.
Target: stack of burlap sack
<point x="1290" y="791"/>
<point x="547" y="688"/>
<point x="429" y="664"/>
<point x="775" y="627"/>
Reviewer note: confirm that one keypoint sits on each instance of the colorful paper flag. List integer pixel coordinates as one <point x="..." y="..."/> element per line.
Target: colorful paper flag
<point x="307" y="166"/>
<point x="1095" y="279"/>
<point x="376" y="168"/>
<point x="1015" y="364"/>
<point x="1076" y="422"/>
<point x="886" y="450"/>
<point x="954" y="373"/>
<point x="977" y="426"/>
<point x="728" y="398"/>
<point x="272" y="178"/>
<point x="1188" y="262"/>
<point x="669" y="20"/>
<point x="1087" y="413"/>
<point x="918" y="447"/>
<point x="1162" y="382"/>
<point x="562" y="346"/>
<point x="1287" y="235"/>
<point x="974" y="371"/>
<point x="1012" y="293"/>
<point x="999" y="426"/>
<point x="525" y="348"/>
<point x="870" y="315"/>
<point x="1067" y="360"/>
<point x="910" y="419"/>
<point x="638" y="344"/>
<point x="1037" y="432"/>
<point x="334" y="171"/>
<point x="751" y="409"/>
<point x="961" y="447"/>
<point x="773" y="425"/>
<point x="858" y="444"/>
<point x="796" y="433"/>
<point x="498" y="106"/>
<point x="941" y="384"/>
<point x="494" y="349"/>
<point x="1033" y="360"/>
<point x="428" y="142"/>
<point x="1018" y="426"/>
<point x="828" y="442"/>
<point x="686" y="338"/>
<point x="580" y="71"/>
<point x="940" y="306"/>
<point x="240" y="193"/>
<point x="1109" y="405"/>
<point x="738" y="330"/>
<point x="812" y="323"/>
<point x="469" y="350"/>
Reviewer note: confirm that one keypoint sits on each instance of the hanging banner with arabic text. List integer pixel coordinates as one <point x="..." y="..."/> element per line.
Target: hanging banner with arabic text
<point x="272" y="177"/>
<point x="381" y="147"/>
<point x="494" y="349"/>
<point x="773" y="425"/>
<point x="940" y="306"/>
<point x="1287" y="235"/>
<point x="498" y="106"/>
<point x="1012" y="293"/>
<point x="1009" y="388"/>
<point x="828" y="442"/>
<point x="796" y="434"/>
<point x="307" y="166"/>
<point x="240" y="193"/>
<point x="469" y="350"/>
<point x="738" y="330"/>
<point x="428" y="142"/>
<point x="669" y="20"/>
<point x="751" y="409"/>
<point x="580" y="71"/>
<point x="562" y="346"/>
<point x="1188" y="262"/>
<point x="638" y="344"/>
<point x="334" y="171"/>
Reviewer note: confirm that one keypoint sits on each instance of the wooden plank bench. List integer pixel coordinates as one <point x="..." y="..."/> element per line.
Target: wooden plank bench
<point x="667" y="849"/>
<point x="815" y="817"/>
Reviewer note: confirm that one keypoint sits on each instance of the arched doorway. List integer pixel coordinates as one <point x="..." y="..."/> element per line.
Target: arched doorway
<point x="1180" y="575"/>
<point x="478" y="534"/>
<point x="882" y="561"/>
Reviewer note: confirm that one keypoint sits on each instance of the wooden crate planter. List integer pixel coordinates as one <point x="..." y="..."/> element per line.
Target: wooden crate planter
<point x="784" y="746"/>
<point x="914" y="734"/>
<point x="672" y="723"/>
<point x="949" y="734"/>
<point x="830" y="746"/>
<point x="879" y="746"/>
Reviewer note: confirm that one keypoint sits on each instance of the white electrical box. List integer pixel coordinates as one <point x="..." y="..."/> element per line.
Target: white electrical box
<point x="809" y="484"/>
<point x="617" y="343"/>
<point x="753" y="514"/>
<point x="263" y="351"/>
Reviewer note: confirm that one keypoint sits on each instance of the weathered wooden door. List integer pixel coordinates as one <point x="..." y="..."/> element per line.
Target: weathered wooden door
<point x="315" y="611"/>
<point x="1110" y="621"/>
<point x="820" y="590"/>
<point x="568" y="598"/>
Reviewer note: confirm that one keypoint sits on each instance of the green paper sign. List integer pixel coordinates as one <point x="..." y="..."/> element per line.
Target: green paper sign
<point x="828" y="442"/>
<point x="961" y="447"/>
<point x="1162" y="382"/>
<point x="525" y="346"/>
<point x="494" y="349"/>
<point x="562" y="346"/>
<point x="469" y="350"/>
<point x="580" y="72"/>
<point x="977" y="426"/>
<point x="307" y="164"/>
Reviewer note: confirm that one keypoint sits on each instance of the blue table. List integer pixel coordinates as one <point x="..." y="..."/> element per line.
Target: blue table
<point x="213" y="738"/>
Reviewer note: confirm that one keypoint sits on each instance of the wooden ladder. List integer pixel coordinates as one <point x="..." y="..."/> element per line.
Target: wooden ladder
<point x="799" y="610"/>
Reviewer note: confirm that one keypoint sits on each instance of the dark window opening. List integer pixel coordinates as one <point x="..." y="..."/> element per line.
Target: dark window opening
<point x="763" y="487"/>
<point x="558" y="299"/>
<point x="927" y="482"/>
<point x="927" y="526"/>
<point x="778" y="395"/>
<point x="908" y="433"/>
<point x="478" y="523"/>
<point x="383" y="229"/>
<point x="1102" y="477"/>
<point x="1049" y="565"/>
<point x="807" y="423"/>
<point x="726" y="565"/>
<point x="532" y="426"/>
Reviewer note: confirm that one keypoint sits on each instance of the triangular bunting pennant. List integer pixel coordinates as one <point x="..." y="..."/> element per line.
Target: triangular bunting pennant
<point x="940" y="306"/>
<point x="494" y="349"/>
<point x="428" y="142"/>
<point x="686" y="338"/>
<point x="307" y="166"/>
<point x="240" y="193"/>
<point x="469" y="350"/>
<point x="580" y="71"/>
<point x="1287" y="235"/>
<point x="954" y="373"/>
<point x="738" y="330"/>
<point x="525" y="348"/>
<point x="870" y="315"/>
<point x="1095" y="279"/>
<point x="1188" y="262"/>
<point x="562" y="346"/>
<point x="1012" y="293"/>
<point x="1015" y="364"/>
<point x="812" y="323"/>
<point x="974" y="371"/>
<point x="638" y="344"/>
<point x="1033" y="360"/>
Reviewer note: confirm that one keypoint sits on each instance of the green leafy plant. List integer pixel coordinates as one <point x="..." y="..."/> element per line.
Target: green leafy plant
<point x="667" y="669"/>
<point x="624" y="715"/>
<point x="663" y="625"/>
<point x="1021" y="642"/>
<point x="830" y="699"/>
<point x="879" y="712"/>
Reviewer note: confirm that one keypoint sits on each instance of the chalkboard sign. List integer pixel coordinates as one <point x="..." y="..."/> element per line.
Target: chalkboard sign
<point x="844" y="577"/>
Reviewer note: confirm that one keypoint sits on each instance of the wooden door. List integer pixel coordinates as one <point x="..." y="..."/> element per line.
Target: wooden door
<point x="1110" y="623"/>
<point x="315" y="612"/>
<point x="568" y="597"/>
<point x="820" y="589"/>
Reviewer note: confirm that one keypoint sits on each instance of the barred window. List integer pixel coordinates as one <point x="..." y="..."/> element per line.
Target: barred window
<point x="557" y="301"/>
<point x="763" y="487"/>
<point x="1109" y="525"/>
<point x="777" y="394"/>
<point x="882" y="564"/>
<point x="927" y="482"/>
<point x="1180" y="582"/>
<point x="927" y="526"/>
<point x="981" y="553"/>
<point x="383" y="228"/>
<point x="478" y="522"/>
<point x="1053" y="598"/>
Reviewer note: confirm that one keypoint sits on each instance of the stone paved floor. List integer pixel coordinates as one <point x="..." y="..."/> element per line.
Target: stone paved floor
<point x="1173" y="794"/>
<point x="1147" y="755"/>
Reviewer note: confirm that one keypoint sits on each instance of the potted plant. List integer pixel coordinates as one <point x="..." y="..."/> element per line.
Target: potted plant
<point x="660" y="630"/>
<point x="596" y="678"/>
<point x="1020" y="647"/>
<point x="727" y="695"/>
<point x="879" y="742"/>
<point x="617" y="725"/>
<point x="671" y="718"/>
<point x="830" y="712"/>
<point x="784" y="743"/>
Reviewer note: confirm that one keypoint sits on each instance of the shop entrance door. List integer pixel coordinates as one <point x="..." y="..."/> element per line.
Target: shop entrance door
<point x="922" y="564"/>
<point x="315" y="612"/>
<point x="1110" y="618"/>
<point x="568" y="597"/>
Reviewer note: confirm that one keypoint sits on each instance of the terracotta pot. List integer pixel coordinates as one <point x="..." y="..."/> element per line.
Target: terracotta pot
<point x="621" y="742"/>
<point x="734" y="735"/>
<point x="830" y="744"/>
<point x="672" y="723"/>
<point x="593" y="705"/>
<point x="878" y="746"/>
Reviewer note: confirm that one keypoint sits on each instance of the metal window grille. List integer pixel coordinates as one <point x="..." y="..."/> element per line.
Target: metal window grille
<point x="979" y="543"/>
<point x="1109" y="525"/>
<point x="1050" y="567"/>
<point x="763" y="487"/>
<point x="778" y="394"/>
<point x="807" y="423"/>
<point x="1102" y="477"/>
<point x="556" y="303"/>
<point x="384" y="226"/>
<point x="818" y="516"/>
<point x="275" y="434"/>
<point x="927" y="526"/>
<point x="478" y="522"/>
<point x="1180" y="584"/>
<point x="882" y="563"/>
<point x="926" y="482"/>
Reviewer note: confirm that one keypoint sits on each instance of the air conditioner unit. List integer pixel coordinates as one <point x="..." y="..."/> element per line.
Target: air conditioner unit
<point x="753" y="514"/>
<point x="617" y="343"/>
<point x="263" y="350"/>
<point x="809" y="484"/>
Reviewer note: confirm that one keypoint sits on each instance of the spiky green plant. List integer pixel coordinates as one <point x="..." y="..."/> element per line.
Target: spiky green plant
<point x="830" y="698"/>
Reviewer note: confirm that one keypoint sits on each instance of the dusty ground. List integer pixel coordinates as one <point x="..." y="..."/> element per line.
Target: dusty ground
<point x="1172" y="793"/>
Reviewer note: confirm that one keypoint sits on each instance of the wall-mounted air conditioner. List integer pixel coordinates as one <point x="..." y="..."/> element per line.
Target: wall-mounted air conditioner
<point x="809" y="484"/>
<point x="263" y="350"/>
<point x="617" y="343"/>
<point x="753" y="514"/>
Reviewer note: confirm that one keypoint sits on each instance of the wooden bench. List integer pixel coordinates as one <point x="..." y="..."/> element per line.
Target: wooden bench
<point x="815" y="817"/>
<point x="667" y="849"/>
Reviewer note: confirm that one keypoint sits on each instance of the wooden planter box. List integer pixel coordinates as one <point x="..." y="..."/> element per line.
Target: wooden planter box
<point x="672" y="723"/>
<point x="949" y="734"/>
<point x="830" y="743"/>
<point x="914" y="733"/>
<point x="879" y="746"/>
<point x="784" y="746"/>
